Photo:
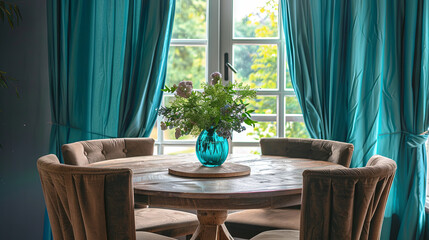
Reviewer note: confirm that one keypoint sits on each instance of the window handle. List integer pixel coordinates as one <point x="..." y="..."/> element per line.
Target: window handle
<point x="231" y="67"/>
<point x="228" y="65"/>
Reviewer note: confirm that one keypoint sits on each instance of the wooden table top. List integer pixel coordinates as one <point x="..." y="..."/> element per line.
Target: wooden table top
<point x="272" y="180"/>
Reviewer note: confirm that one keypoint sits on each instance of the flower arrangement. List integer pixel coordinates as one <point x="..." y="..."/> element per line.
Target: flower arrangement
<point x="218" y="106"/>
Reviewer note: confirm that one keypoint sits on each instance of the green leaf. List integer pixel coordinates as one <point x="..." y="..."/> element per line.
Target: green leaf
<point x="248" y="121"/>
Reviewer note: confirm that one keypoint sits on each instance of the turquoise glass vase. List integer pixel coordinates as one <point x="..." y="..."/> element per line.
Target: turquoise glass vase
<point x="212" y="149"/>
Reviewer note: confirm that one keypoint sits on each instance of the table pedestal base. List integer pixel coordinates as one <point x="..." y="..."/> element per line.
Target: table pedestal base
<point x="212" y="225"/>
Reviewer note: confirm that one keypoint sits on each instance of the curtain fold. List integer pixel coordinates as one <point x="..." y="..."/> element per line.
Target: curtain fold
<point x="107" y="66"/>
<point x="360" y="72"/>
<point x="149" y="37"/>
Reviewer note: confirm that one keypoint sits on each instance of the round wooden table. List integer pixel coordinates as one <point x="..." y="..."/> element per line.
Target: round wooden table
<point x="273" y="182"/>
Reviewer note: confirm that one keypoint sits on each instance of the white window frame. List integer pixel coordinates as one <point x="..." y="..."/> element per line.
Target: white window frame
<point x="220" y="24"/>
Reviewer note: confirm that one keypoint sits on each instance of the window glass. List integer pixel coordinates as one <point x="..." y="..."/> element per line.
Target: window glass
<point x="263" y="104"/>
<point x="296" y="130"/>
<point x="254" y="134"/>
<point x="169" y="134"/>
<point x="292" y="105"/>
<point x="186" y="63"/>
<point x="255" y="18"/>
<point x="154" y="133"/>
<point x="256" y="65"/>
<point x="174" y="150"/>
<point x="190" y="19"/>
<point x="246" y="150"/>
<point x="288" y="83"/>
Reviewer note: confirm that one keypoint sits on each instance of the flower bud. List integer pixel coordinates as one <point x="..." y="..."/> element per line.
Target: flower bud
<point x="178" y="133"/>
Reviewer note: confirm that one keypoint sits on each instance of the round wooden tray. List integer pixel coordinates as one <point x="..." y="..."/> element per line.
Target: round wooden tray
<point x="196" y="170"/>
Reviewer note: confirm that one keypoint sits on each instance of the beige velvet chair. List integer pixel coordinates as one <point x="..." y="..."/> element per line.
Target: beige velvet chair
<point x="172" y="223"/>
<point x="248" y="223"/>
<point x="89" y="203"/>
<point x="346" y="203"/>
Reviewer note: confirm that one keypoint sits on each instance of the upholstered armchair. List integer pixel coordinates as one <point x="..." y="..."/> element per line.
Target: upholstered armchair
<point x="346" y="203"/>
<point x="248" y="223"/>
<point x="172" y="223"/>
<point x="79" y="209"/>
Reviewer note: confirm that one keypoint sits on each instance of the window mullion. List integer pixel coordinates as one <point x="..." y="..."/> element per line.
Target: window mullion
<point x="226" y="21"/>
<point x="213" y="47"/>
<point x="281" y="99"/>
<point x="188" y="42"/>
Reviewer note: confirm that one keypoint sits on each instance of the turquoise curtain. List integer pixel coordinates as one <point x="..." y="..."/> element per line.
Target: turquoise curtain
<point x="335" y="51"/>
<point x="360" y="72"/>
<point x="404" y="115"/>
<point x="107" y="63"/>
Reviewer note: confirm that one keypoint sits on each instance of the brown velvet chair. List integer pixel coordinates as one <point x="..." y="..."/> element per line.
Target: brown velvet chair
<point x="89" y="203"/>
<point x="172" y="223"/>
<point x="248" y="223"/>
<point x="346" y="203"/>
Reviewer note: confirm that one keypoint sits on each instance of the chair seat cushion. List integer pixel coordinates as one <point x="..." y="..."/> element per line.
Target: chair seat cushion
<point x="278" y="235"/>
<point x="273" y="218"/>
<point x="165" y="221"/>
<point x="151" y="236"/>
<point x="248" y="223"/>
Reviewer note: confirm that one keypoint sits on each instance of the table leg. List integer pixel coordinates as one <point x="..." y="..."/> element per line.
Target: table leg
<point x="212" y="225"/>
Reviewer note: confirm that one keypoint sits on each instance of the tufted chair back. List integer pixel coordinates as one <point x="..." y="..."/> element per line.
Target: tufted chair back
<point x="316" y="149"/>
<point x="86" y="152"/>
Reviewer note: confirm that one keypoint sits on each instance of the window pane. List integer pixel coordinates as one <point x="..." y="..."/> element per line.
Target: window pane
<point x="190" y="19"/>
<point x="296" y="130"/>
<point x="287" y="76"/>
<point x="292" y="105"/>
<point x="154" y="133"/>
<point x="186" y="63"/>
<point x="263" y="104"/>
<point x="253" y="134"/>
<point x="173" y="150"/>
<point x="169" y="134"/>
<point x="255" y="18"/>
<point x="256" y="65"/>
<point x="246" y="150"/>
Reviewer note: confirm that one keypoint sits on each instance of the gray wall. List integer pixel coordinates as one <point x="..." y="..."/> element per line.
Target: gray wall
<point x="24" y="123"/>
